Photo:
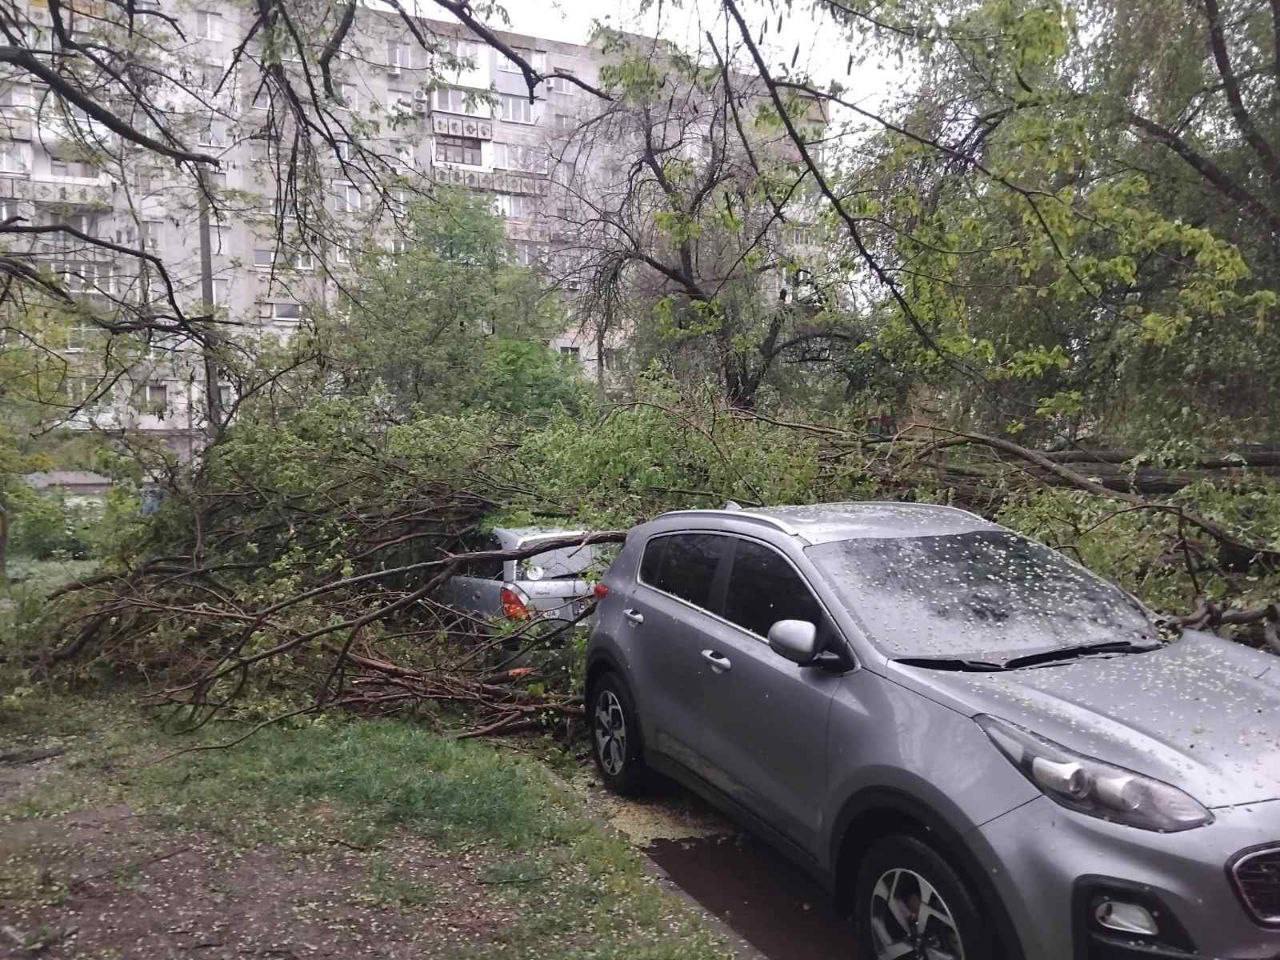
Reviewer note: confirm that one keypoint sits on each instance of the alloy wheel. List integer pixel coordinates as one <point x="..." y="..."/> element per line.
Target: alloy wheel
<point x="909" y="919"/>
<point x="611" y="733"/>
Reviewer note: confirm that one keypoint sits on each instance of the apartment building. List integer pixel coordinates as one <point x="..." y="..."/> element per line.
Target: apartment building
<point x="477" y="129"/>
<point x="455" y="111"/>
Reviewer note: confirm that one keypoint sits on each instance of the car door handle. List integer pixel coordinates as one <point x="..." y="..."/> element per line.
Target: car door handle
<point x="719" y="662"/>
<point x="634" y="616"/>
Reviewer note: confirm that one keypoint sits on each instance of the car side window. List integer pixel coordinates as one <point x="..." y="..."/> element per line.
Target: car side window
<point x="488" y="569"/>
<point x="764" y="588"/>
<point x="684" y="565"/>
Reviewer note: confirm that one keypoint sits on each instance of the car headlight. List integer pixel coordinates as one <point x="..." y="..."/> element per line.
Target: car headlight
<point x="1093" y="787"/>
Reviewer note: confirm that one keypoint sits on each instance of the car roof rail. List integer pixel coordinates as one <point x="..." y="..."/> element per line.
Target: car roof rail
<point x="741" y="513"/>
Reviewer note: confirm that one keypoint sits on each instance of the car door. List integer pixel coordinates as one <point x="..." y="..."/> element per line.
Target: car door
<point x="667" y="614"/>
<point x="478" y="590"/>
<point x="764" y="717"/>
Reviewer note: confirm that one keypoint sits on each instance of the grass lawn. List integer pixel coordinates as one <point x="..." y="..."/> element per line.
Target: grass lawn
<point x="335" y="838"/>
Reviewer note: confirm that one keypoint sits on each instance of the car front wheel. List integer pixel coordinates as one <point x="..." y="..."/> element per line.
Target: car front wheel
<point x="911" y="903"/>
<point x="615" y="736"/>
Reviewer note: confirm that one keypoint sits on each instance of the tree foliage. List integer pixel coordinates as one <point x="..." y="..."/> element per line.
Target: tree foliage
<point x="447" y="320"/>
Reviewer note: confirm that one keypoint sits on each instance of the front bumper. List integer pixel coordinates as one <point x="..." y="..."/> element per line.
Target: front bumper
<point x="1044" y="860"/>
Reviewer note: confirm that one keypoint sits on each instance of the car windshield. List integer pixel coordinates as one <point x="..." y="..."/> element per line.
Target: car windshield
<point x="554" y="564"/>
<point x="984" y="595"/>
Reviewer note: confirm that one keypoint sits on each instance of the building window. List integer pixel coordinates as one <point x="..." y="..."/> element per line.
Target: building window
<point x="75" y="169"/>
<point x="82" y="335"/>
<point x="86" y="223"/>
<point x="208" y="25"/>
<point x="398" y="56"/>
<point x="350" y="95"/>
<point x="515" y="108"/>
<point x="85" y="276"/>
<point x="456" y="100"/>
<point x="347" y="198"/>
<point x="518" y="206"/>
<point x="344" y="150"/>
<point x="153" y="398"/>
<point x="402" y="160"/>
<point x="528" y="254"/>
<point x="281" y="310"/>
<point x="574" y="352"/>
<point x="79" y="391"/>
<point x="458" y="150"/>
<point x="400" y="101"/>
<point x="15" y="95"/>
<point x="207" y="76"/>
<point x="15" y="158"/>
<point x="221" y="291"/>
<point x="525" y="157"/>
<point x="535" y="58"/>
<point x="341" y="254"/>
<point x="559" y="84"/>
<point x="467" y="52"/>
<point x="302" y="260"/>
<point x="224" y="396"/>
<point x="264" y="259"/>
<point x="212" y="133"/>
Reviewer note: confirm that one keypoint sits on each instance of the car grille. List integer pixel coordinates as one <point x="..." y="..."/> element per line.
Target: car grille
<point x="1257" y="877"/>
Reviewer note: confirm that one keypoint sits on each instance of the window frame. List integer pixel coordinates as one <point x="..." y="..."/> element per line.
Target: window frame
<point x="399" y="56"/>
<point x="443" y="142"/>
<point x="804" y="582"/>
<point x="718" y="579"/>
<point x="267" y="312"/>
<point x="532" y="55"/>
<point x="507" y="102"/>
<point x="17" y="158"/>
<point x="207" y="25"/>
<point x="720" y="587"/>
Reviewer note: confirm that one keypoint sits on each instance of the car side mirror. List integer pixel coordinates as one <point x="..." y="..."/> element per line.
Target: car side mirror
<point x="797" y="640"/>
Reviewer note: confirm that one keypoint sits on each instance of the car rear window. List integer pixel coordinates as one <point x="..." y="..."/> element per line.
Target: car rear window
<point x="988" y="594"/>
<point x="554" y="564"/>
<point x="764" y="588"/>
<point x="684" y="565"/>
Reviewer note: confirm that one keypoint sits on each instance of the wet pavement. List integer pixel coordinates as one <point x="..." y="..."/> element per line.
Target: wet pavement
<point x="761" y="896"/>
<point x="768" y="902"/>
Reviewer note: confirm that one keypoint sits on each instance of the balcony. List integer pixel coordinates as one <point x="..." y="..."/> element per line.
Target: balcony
<point x="450" y="125"/>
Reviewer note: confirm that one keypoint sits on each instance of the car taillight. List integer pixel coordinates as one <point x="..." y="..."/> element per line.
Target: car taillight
<point x="513" y="604"/>
<point x="601" y="590"/>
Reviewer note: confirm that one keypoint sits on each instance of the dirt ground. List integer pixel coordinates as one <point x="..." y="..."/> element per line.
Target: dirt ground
<point x="109" y="883"/>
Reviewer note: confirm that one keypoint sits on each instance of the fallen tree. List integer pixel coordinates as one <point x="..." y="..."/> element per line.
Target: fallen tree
<point x="297" y="570"/>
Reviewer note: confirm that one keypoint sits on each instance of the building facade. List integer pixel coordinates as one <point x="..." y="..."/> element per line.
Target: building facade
<point x="458" y="113"/>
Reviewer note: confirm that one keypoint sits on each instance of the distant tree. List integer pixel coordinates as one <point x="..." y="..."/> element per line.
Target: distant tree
<point x="1066" y="215"/>
<point x="437" y="322"/>
<point x="690" y="223"/>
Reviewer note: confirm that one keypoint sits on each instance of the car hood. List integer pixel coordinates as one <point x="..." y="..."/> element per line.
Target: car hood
<point x="1201" y="713"/>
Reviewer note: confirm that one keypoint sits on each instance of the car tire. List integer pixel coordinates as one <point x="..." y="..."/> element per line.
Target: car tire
<point x="907" y="893"/>
<point x="615" y="735"/>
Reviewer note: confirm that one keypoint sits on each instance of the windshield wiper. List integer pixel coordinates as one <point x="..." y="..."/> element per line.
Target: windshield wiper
<point x="1072" y="653"/>
<point x="951" y="663"/>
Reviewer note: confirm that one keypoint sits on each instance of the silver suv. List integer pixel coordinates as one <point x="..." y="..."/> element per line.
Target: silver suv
<point x="982" y="749"/>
